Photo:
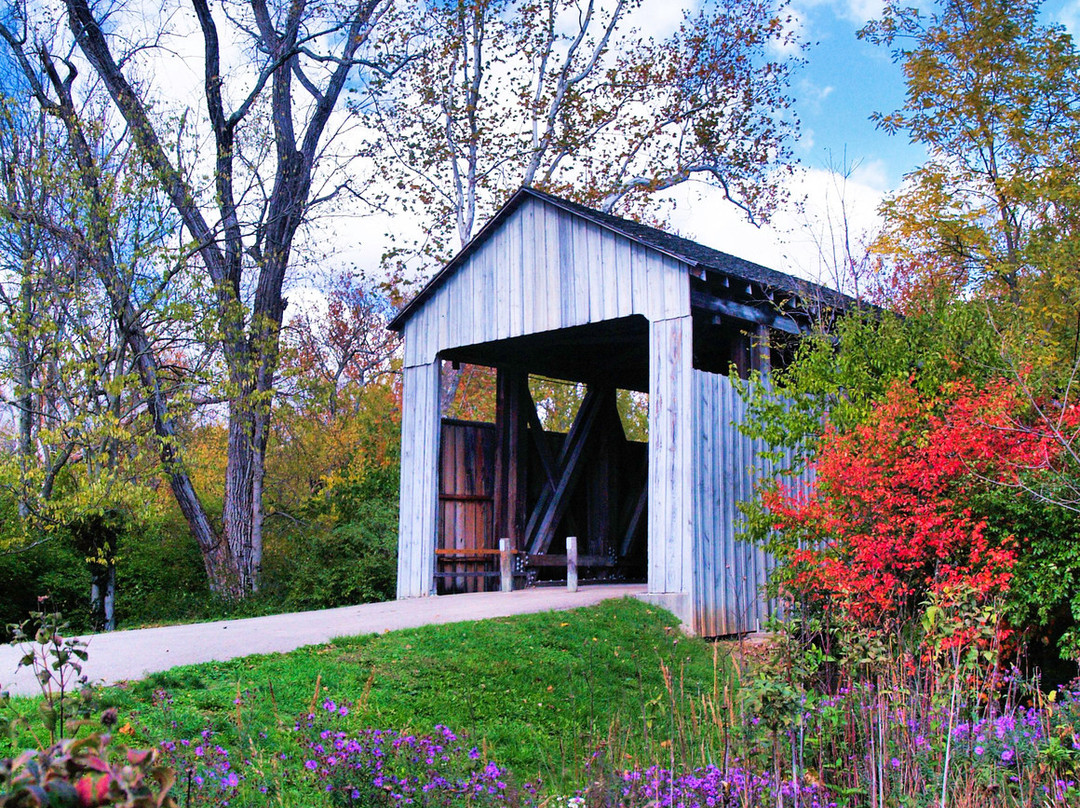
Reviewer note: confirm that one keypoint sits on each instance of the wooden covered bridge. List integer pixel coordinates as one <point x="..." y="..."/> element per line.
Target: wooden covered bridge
<point x="555" y="289"/>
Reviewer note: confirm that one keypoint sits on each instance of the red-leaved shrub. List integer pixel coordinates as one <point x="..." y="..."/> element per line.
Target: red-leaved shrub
<point x="889" y="524"/>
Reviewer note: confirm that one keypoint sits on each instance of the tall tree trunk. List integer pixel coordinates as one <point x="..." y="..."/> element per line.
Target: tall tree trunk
<point x="242" y="514"/>
<point x="103" y="596"/>
<point x="108" y="605"/>
<point x="24" y="375"/>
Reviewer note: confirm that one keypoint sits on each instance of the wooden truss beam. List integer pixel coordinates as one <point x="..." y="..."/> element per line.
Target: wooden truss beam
<point x="740" y="311"/>
<point x="552" y="504"/>
<point x="511" y="399"/>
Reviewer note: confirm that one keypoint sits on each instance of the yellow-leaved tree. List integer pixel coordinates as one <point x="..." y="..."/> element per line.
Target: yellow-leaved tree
<point x="994" y="96"/>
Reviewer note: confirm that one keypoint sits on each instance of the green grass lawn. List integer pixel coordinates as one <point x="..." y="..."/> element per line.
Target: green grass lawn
<point x="538" y="693"/>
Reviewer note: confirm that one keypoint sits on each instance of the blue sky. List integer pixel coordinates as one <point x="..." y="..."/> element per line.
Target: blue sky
<point x="843" y="83"/>
<point x="846" y="80"/>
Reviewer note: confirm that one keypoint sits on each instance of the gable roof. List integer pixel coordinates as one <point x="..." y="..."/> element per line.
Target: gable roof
<point x="691" y="253"/>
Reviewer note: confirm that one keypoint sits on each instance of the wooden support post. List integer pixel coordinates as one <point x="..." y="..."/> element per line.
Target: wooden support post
<point x="602" y="480"/>
<point x="419" y="515"/>
<point x="671" y="480"/>
<point x="571" y="563"/>
<point x="509" y="493"/>
<point x="506" y="573"/>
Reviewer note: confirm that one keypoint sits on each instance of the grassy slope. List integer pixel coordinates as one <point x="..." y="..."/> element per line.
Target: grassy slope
<point x="539" y="690"/>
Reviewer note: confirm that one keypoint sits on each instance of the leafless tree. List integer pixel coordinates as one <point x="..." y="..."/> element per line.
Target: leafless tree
<point x="272" y="76"/>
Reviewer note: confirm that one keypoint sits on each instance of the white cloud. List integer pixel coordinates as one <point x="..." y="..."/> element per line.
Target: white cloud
<point x="873" y="174"/>
<point x="856" y="11"/>
<point x="800" y="238"/>
<point x="659" y="18"/>
<point x="861" y="11"/>
<point x="813" y="95"/>
<point x="1069" y="16"/>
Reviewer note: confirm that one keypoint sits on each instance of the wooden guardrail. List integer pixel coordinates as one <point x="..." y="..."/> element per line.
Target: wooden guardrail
<point x="508" y="569"/>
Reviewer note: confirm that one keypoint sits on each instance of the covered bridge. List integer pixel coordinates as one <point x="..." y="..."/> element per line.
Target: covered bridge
<point x="552" y="288"/>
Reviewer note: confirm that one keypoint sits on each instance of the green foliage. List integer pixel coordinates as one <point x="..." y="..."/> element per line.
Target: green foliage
<point x="992" y="93"/>
<point x="1044" y="598"/>
<point x="86" y="772"/>
<point x="51" y="568"/>
<point x="160" y="575"/>
<point x="340" y="547"/>
<point x="843" y="373"/>
<point x="96" y="535"/>
<point x="355" y="562"/>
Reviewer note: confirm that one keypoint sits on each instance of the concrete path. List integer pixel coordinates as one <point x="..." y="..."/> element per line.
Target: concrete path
<point x="122" y="655"/>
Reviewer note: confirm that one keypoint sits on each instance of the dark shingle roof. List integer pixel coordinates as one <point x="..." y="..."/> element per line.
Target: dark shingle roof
<point x="690" y="252"/>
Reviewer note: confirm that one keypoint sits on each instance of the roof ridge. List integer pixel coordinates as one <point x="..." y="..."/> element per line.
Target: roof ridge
<point x="690" y="252"/>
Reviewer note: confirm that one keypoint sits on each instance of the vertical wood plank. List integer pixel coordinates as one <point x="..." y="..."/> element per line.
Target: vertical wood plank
<point x="541" y="270"/>
<point x="654" y="281"/>
<point x="670" y="428"/>
<point x="515" y="280"/>
<point x="624" y="278"/>
<point x="556" y="292"/>
<point x="609" y="276"/>
<point x="580" y="271"/>
<point x="534" y="259"/>
<point x="594" y="267"/>
<point x="522" y="226"/>
<point x="405" y="489"/>
<point x="728" y="466"/>
<point x="567" y="285"/>
<point x="419" y="473"/>
<point x="501" y="314"/>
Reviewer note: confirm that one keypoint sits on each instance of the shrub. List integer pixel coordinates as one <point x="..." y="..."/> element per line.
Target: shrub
<point x="160" y="574"/>
<point x="87" y="772"/>
<point x="355" y="562"/>
<point x="50" y="568"/>
<point x="890" y="525"/>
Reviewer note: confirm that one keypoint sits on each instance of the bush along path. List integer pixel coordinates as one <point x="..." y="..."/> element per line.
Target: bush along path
<point x="605" y="706"/>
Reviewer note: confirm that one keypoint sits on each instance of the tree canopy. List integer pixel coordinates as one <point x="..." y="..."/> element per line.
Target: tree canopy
<point x="994" y="96"/>
<point x="569" y="97"/>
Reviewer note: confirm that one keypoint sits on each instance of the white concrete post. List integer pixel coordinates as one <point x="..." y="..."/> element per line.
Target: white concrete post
<point x="571" y="563"/>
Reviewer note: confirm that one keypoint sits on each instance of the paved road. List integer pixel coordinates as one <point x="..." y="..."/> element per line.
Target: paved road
<point x="122" y="655"/>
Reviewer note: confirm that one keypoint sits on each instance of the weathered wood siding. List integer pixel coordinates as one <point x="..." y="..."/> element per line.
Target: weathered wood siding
<point x="670" y="459"/>
<point x="728" y="574"/>
<point x="419" y="480"/>
<point x="544" y="269"/>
